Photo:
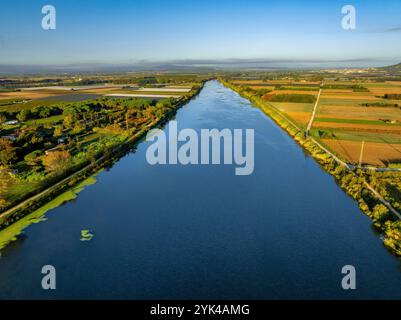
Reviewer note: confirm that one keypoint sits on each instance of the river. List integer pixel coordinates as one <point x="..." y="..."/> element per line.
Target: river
<point x="200" y="231"/>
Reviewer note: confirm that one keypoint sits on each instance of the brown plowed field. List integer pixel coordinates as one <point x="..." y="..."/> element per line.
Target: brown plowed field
<point x="376" y="154"/>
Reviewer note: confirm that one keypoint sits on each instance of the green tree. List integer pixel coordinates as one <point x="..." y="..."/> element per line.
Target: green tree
<point x="92" y="152"/>
<point x="70" y="118"/>
<point x="7" y="152"/>
<point x="33" y="159"/>
<point x="78" y="128"/>
<point x="58" y="131"/>
<point x="380" y="213"/>
<point x="44" y="112"/>
<point x="23" y="115"/>
<point x="5" y="183"/>
<point x="56" y="161"/>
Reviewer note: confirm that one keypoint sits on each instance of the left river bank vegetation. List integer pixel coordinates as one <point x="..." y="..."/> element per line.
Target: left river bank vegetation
<point x="48" y="148"/>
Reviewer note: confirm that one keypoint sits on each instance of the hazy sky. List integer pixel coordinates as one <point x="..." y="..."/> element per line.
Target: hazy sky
<point x="129" y="31"/>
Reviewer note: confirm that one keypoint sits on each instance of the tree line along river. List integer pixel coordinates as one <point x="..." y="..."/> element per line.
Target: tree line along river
<point x="176" y="231"/>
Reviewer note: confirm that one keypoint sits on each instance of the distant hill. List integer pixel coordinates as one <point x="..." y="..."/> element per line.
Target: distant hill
<point x="393" y="69"/>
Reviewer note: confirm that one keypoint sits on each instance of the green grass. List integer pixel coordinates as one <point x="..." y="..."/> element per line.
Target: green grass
<point x="9" y="101"/>
<point x="353" y="86"/>
<point x="49" y="120"/>
<point x="381" y="85"/>
<point x="345" y="102"/>
<point x="356" y="136"/>
<point x="88" y="139"/>
<point x="16" y="107"/>
<point x="12" y="232"/>
<point x="9" y="128"/>
<point x="298" y="88"/>
<point x="19" y="189"/>
<point x="294" y="98"/>
<point x="355" y="121"/>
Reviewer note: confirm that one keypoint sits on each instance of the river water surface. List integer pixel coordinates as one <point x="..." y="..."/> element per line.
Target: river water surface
<point x="166" y="232"/>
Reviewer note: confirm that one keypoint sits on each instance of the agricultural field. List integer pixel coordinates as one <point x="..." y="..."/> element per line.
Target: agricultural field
<point x="28" y="98"/>
<point x="276" y="90"/>
<point x="362" y="127"/>
<point x="300" y="113"/>
<point x="373" y="153"/>
<point x="30" y="95"/>
<point x="350" y="113"/>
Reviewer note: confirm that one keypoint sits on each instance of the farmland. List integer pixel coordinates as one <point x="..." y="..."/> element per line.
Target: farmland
<point x="355" y="136"/>
<point x="349" y="112"/>
<point x="346" y="119"/>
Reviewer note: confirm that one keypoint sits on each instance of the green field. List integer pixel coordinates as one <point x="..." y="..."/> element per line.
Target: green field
<point x="356" y="121"/>
<point x="341" y="134"/>
<point x="49" y="120"/>
<point x="16" y="107"/>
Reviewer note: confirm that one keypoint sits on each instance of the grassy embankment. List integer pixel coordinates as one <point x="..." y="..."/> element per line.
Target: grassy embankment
<point x="354" y="182"/>
<point x="11" y="233"/>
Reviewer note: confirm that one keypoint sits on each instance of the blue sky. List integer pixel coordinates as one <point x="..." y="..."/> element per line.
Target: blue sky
<point x="123" y="31"/>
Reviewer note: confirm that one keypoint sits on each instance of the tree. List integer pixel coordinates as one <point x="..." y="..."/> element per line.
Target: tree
<point x="44" y="112"/>
<point x="92" y="152"/>
<point x="3" y="118"/>
<point x="33" y="159"/>
<point x="131" y="113"/>
<point x="7" y="152"/>
<point x="56" y="161"/>
<point x="69" y="118"/>
<point x="380" y="213"/>
<point x="127" y="115"/>
<point x="5" y="182"/>
<point x="23" y="115"/>
<point x="78" y="128"/>
<point x="58" y="131"/>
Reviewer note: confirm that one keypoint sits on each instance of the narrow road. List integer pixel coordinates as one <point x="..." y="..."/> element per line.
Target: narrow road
<point x="314" y="112"/>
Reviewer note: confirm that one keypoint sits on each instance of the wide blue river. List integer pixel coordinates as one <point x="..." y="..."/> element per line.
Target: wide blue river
<point x="200" y="231"/>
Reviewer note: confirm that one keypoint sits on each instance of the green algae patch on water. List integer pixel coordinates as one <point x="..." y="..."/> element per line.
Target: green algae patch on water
<point x="86" y="235"/>
<point x="12" y="232"/>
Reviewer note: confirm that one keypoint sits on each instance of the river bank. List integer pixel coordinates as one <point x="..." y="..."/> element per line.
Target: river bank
<point x="201" y="232"/>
